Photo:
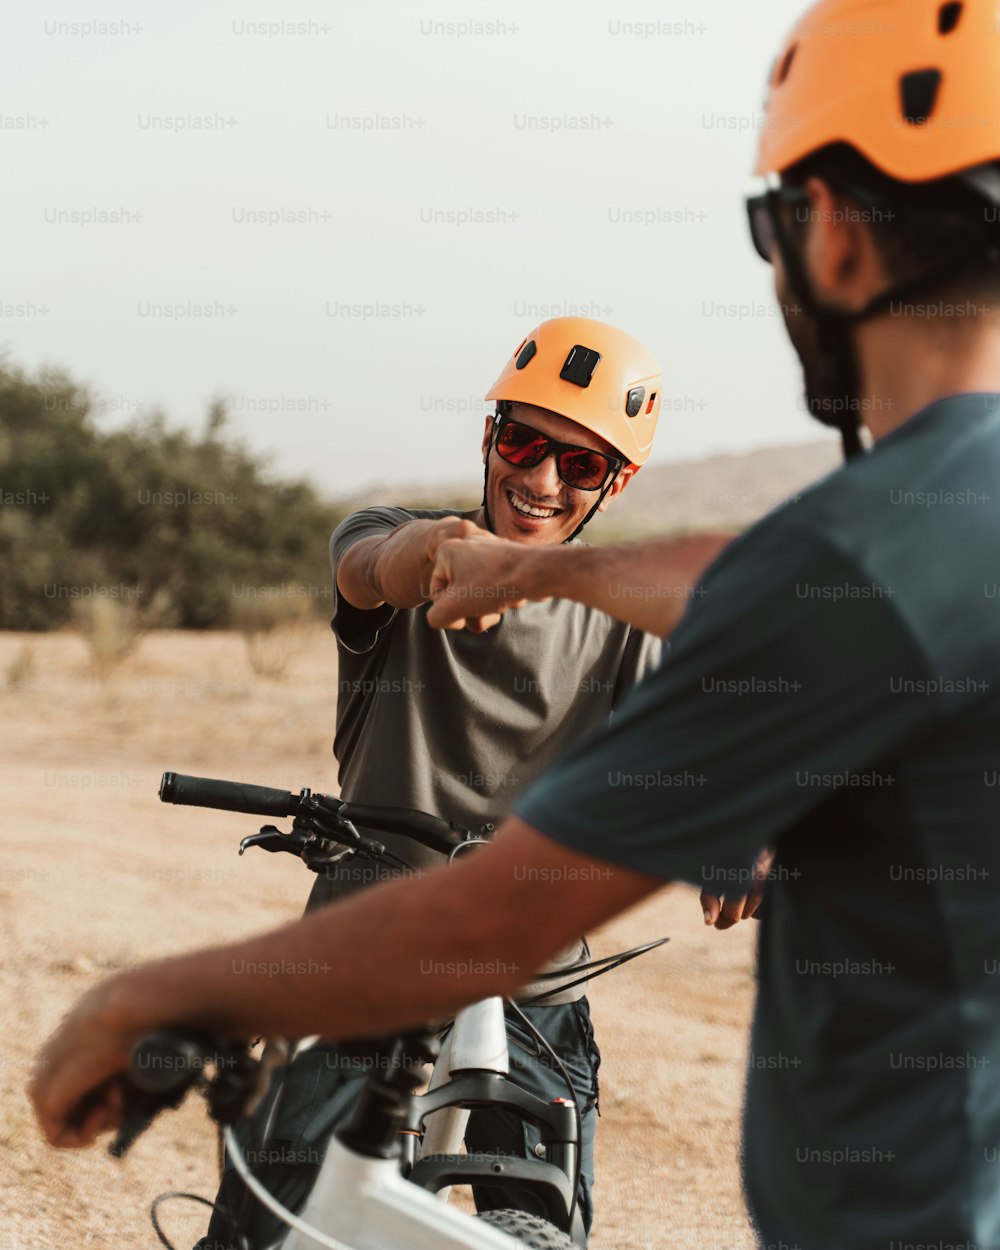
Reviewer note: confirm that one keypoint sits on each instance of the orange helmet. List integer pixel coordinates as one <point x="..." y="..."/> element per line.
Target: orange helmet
<point x="913" y="85"/>
<point x="597" y="376"/>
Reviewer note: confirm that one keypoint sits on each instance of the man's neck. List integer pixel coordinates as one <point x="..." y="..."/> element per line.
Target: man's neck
<point x="908" y="364"/>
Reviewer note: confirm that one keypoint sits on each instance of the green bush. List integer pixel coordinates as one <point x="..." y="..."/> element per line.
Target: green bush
<point x="179" y="525"/>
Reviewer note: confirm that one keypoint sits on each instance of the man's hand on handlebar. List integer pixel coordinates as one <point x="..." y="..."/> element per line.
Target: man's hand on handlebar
<point x="76" y="1087"/>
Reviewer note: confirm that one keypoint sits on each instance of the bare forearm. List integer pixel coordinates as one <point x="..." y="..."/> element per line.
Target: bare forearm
<point x="396" y="568"/>
<point x="393" y="569"/>
<point x="395" y="956"/>
<point x="647" y="585"/>
<point x="350" y="970"/>
<point x="398" y="955"/>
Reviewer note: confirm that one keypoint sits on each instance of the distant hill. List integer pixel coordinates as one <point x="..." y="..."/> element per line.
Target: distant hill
<point x="718" y="492"/>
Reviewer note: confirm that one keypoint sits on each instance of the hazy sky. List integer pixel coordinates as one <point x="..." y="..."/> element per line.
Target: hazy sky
<point x="346" y="217"/>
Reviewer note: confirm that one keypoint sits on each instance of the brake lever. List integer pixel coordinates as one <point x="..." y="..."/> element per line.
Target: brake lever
<point x="141" y="1111"/>
<point x="270" y="838"/>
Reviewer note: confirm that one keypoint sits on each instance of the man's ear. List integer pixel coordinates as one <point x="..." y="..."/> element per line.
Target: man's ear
<point x="618" y="485"/>
<point x="840" y="254"/>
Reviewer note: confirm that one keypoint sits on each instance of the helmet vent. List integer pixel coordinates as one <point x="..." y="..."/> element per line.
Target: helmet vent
<point x="525" y="354"/>
<point x="781" y="73"/>
<point x="652" y="401"/>
<point x="918" y="91"/>
<point x="948" y="16"/>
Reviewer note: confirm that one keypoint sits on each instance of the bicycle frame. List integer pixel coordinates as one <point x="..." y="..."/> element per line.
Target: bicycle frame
<point x="357" y="1200"/>
<point x="365" y="1203"/>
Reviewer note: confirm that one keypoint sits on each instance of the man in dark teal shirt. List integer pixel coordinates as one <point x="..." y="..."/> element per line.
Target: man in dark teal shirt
<point x="833" y="690"/>
<point x="839" y="692"/>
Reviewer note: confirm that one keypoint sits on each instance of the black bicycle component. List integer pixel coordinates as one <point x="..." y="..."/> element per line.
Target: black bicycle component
<point x="163" y="1062"/>
<point x="554" y="1179"/>
<point x="544" y="1047"/>
<point x="556" y="1121"/>
<point x="615" y="961"/>
<point x="591" y="971"/>
<point x="228" y="796"/>
<point x="530" y="1231"/>
<point x="164" y="1066"/>
<point x="322" y="814"/>
<point x="384" y="1107"/>
<point x="429" y="831"/>
<point x="270" y="838"/>
<point x="546" y="1180"/>
<point x="170" y="1194"/>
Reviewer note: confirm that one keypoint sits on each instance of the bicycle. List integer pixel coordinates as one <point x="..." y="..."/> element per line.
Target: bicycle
<point x="386" y="1171"/>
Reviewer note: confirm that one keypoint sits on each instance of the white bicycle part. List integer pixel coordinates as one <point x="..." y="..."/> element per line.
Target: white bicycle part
<point x="367" y="1205"/>
<point x="363" y="1203"/>
<point x="477" y="1041"/>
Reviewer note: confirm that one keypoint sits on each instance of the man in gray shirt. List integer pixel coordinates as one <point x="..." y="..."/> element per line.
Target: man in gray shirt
<point x="459" y="723"/>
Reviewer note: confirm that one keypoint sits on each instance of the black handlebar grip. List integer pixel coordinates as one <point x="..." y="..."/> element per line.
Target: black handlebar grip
<point x="228" y="796"/>
<point x="163" y="1062"/>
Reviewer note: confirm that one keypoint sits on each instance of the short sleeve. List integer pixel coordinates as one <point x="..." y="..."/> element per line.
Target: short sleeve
<point x="791" y="671"/>
<point x="641" y="654"/>
<point x="358" y="629"/>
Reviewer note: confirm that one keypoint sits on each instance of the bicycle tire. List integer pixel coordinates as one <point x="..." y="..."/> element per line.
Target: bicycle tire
<point x="530" y="1230"/>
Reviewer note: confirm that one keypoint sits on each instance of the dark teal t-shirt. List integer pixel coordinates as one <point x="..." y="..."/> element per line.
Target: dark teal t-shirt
<point x="834" y="689"/>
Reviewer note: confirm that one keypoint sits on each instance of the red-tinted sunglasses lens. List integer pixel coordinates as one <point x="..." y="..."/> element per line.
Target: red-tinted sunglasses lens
<point x="583" y="469"/>
<point x="521" y="445"/>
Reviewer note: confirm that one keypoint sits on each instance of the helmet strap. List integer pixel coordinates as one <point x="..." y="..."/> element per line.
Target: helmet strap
<point x="834" y="324"/>
<point x="486" y="478"/>
<point x="833" y="328"/>
<point x="600" y="500"/>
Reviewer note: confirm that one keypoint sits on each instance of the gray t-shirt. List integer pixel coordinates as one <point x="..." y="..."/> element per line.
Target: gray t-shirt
<point x="459" y="724"/>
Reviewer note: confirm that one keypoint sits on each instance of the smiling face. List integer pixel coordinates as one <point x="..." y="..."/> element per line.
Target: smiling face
<point x="535" y="505"/>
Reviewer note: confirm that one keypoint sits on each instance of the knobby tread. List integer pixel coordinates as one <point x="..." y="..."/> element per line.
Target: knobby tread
<point x="530" y="1230"/>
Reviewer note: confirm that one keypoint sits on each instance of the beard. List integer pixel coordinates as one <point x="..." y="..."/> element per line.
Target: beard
<point x="829" y="366"/>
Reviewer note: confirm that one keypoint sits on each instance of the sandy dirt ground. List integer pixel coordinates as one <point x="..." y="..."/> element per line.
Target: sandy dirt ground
<point x="96" y="874"/>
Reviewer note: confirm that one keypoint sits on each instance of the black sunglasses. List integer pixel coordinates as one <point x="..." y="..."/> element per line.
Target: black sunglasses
<point x="579" y="467"/>
<point x="762" y="211"/>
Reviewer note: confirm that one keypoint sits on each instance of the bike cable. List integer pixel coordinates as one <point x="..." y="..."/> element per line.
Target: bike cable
<point x="234" y="1223"/>
<point x="542" y="1042"/>
<point x="259" y="1147"/>
<point x="177" y="1193"/>
<point x="272" y="1204"/>
<point x="607" y="964"/>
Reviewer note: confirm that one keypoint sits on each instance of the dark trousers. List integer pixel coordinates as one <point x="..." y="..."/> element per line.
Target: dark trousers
<point x="320" y="1091"/>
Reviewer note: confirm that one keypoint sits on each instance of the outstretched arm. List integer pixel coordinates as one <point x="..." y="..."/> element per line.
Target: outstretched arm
<point x="349" y="970"/>
<point x="647" y="585"/>
<point x="396" y="568"/>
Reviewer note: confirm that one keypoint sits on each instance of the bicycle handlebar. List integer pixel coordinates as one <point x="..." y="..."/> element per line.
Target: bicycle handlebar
<point x="235" y="796"/>
<point x="432" y="831"/>
<point x="166" y="1064"/>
